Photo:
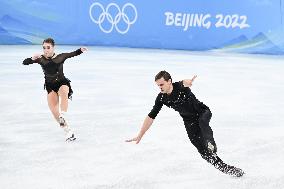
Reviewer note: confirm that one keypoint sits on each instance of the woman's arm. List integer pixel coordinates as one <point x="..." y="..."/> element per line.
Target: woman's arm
<point x="34" y="59"/>
<point x="74" y="53"/>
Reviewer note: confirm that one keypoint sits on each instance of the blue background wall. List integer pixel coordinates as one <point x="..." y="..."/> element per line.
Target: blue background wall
<point x="249" y="26"/>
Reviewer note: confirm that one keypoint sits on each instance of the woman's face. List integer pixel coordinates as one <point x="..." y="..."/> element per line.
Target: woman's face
<point x="48" y="49"/>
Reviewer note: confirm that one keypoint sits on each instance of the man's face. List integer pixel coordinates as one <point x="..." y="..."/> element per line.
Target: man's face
<point x="48" y="49"/>
<point x="164" y="85"/>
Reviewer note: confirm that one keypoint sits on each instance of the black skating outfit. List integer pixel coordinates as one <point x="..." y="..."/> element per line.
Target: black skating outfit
<point x="53" y="70"/>
<point x="196" y="117"/>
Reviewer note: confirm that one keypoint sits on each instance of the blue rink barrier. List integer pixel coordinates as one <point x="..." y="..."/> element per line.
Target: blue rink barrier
<point x="246" y="26"/>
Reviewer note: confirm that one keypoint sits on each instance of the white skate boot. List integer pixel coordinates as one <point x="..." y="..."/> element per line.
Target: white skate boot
<point x="62" y="120"/>
<point x="69" y="136"/>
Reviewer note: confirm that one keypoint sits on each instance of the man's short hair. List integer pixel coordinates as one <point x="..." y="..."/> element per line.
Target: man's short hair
<point x="163" y="74"/>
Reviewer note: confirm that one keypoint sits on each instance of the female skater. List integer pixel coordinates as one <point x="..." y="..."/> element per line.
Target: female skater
<point x="56" y="84"/>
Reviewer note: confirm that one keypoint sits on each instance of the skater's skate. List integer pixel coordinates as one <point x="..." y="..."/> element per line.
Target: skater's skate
<point x="211" y="146"/>
<point x="62" y="120"/>
<point x="69" y="136"/>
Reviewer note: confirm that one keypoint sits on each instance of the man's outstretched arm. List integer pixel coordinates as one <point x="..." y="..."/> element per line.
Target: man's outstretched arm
<point x="188" y="82"/>
<point x="146" y="125"/>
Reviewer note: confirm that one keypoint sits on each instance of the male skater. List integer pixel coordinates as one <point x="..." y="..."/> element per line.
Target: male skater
<point x="196" y="117"/>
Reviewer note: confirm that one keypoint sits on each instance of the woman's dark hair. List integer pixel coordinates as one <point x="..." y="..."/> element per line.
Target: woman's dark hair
<point x="163" y="74"/>
<point x="49" y="40"/>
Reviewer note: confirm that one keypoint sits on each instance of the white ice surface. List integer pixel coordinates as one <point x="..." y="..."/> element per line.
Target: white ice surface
<point x="114" y="90"/>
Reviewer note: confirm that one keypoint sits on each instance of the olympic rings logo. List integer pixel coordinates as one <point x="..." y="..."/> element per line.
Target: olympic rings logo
<point x="113" y="21"/>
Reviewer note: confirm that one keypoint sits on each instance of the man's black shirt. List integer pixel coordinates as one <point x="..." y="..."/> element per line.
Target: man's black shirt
<point x="181" y="100"/>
